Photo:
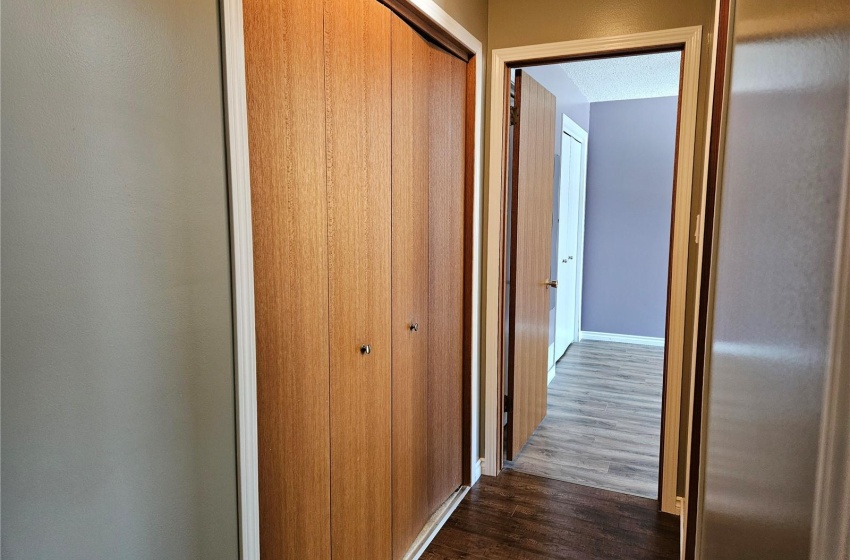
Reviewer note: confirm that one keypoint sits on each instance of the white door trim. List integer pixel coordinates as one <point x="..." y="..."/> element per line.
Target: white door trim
<point x="242" y="263"/>
<point x="239" y="181"/>
<point x="689" y="40"/>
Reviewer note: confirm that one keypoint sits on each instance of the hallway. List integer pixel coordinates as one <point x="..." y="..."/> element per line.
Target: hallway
<point x="603" y="425"/>
<point x="519" y="516"/>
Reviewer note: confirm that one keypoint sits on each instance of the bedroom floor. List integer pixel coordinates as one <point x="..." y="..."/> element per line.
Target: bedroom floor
<point x="603" y="425"/>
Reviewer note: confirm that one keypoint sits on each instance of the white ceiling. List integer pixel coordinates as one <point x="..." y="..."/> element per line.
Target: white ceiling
<point x="626" y="77"/>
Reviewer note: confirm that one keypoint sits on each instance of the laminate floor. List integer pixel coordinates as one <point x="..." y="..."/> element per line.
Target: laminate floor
<point x="603" y="424"/>
<point x="519" y="516"/>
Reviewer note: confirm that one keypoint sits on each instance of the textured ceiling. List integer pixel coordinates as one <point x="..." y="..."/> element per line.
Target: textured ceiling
<point x="626" y="77"/>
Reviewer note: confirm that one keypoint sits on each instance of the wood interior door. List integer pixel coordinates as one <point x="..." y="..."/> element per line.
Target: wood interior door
<point x="447" y="122"/>
<point x="359" y="149"/>
<point x="411" y="328"/>
<point x="289" y="218"/>
<point x="531" y="246"/>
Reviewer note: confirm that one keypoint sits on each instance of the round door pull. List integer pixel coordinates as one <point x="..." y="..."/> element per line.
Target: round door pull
<point x="414" y="327"/>
<point x="366" y="349"/>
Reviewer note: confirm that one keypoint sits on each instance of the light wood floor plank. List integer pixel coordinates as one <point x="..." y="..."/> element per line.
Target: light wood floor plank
<point x="603" y="425"/>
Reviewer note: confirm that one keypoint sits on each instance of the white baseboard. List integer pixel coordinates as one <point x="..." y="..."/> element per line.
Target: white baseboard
<point x="435" y="524"/>
<point x="624" y="338"/>
<point x="551" y="375"/>
<point x="476" y="471"/>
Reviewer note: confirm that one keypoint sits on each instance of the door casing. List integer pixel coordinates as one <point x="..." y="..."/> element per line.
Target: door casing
<point x="688" y="40"/>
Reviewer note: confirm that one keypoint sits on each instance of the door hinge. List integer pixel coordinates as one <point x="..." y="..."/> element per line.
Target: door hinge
<point x="514" y="115"/>
<point x="509" y="404"/>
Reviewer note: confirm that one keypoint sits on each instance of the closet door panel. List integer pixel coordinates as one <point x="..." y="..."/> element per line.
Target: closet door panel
<point x="358" y="132"/>
<point x="446" y="265"/>
<point x="410" y="57"/>
<point x="289" y="202"/>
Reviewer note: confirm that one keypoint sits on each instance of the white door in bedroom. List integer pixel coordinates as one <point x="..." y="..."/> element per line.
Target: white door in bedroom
<point x="570" y="214"/>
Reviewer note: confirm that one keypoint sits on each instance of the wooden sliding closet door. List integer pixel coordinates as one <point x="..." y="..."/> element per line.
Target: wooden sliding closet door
<point x="289" y="201"/>
<point x="410" y="71"/>
<point x="447" y="120"/>
<point x="357" y="141"/>
<point x="429" y="97"/>
<point x="358" y="133"/>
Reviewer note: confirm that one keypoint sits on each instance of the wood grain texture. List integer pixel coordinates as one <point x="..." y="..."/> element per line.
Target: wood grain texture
<point x="603" y="427"/>
<point x="446" y="259"/>
<point x="358" y="123"/>
<point x="289" y="202"/>
<point x="516" y="515"/>
<point x="410" y="169"/>
<point x="532" y="187"/>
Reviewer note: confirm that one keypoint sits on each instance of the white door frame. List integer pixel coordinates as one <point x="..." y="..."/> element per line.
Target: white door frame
<point x="570" y="127"/>
<point x="239" y="181"/>
<point x="242" y="273"/>
<point x="689" y="40"/>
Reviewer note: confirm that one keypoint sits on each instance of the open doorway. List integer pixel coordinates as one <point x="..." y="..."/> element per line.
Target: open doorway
<point x="597" y="176"/>
<point x="611" y="208"/>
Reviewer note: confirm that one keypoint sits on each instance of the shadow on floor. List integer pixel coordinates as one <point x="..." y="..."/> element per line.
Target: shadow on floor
<point x="521" y="516"/>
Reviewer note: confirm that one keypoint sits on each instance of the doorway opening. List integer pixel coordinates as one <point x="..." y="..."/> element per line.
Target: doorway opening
<point x="596" y="176"/>
<point x="610" y="209"/>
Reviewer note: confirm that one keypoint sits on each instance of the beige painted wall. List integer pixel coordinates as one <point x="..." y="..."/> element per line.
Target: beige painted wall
<point x="472" y="14"/>
<point x="515" y="23"/>
<point x="545" y="21"/>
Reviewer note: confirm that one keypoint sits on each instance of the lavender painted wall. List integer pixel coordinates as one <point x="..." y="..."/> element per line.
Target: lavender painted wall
<point x="631" y="155"/>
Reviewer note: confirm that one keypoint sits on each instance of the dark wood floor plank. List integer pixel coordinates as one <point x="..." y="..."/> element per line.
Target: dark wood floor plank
<point x="521" y="516"/>
<point x="436" y="551"/>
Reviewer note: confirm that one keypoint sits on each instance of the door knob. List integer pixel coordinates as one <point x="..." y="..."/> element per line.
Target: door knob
<point x="414" y="327"/>
<point x="366" y="349"/>
<point x="552" y="283"/>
